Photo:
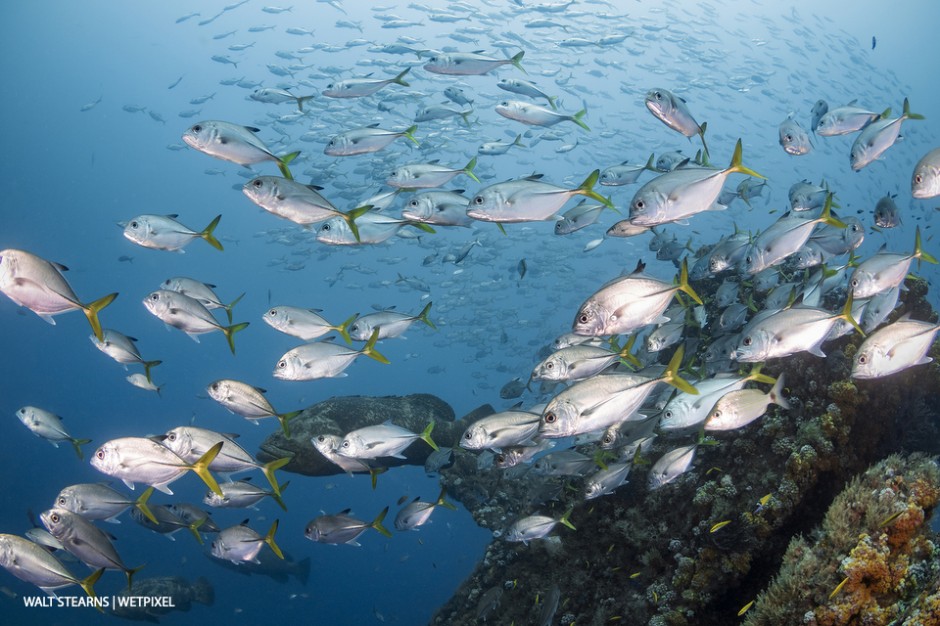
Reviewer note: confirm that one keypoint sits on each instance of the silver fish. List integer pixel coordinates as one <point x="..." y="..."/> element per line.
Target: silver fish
<point x="526" y="88"/>
<point x="468" y="63"/>
<point x="387" y="323"/>
<point x="203" y="292"/>
<point x="97" y="501"/>
<point x="625" y="174"/>
<point x="322" y="360"/>
<point x="387" y="439"/>
<point x="670" y="466"/>
<point x="234" y="143"/>
<point x="846" y="119"/>
<point x="536" y="527"/>
<point x="249" y="402"/>
<point x="527" y="199"/>
<point x="140" y="459"/>
<point x="365" y="140"/>
<point x="445" y="208"/>
<point x="163" y="232"/>
<point x="191" y="444"/>
<point x="327" y="445"/>
<point x="38" y="285"/>
<point x="628" y="303"/>
<point x="34" y="564"/>
<point x="279" y="96"/>
<point x="672" y="111"/>
<point x="793" y="138"/>
<point x="241" y="494"/>
<point x="786" y="332"/>
<point x="305" y="324"/>
<point x="925" y="181"/>
<point x="427" y="175"/>
<point x="49" y="426"/>
<point x="189" y="315"/>
<point x="606" y="481"/>
<point x="894" y="348"/>
<point x="85" y="541"/>
<point x="501" y="430"/>
<point x="877" y="137"/>
<point x="417" y="513"/>
<point x="683" y="192"/>
<point x="739" y="408"/>
<point x="536" y="115"/>
<point x="342" y="528"/>
<point x="359" y="87"/>
<point x="885" y="270"/>
<point x="887" y="213"/>
<point x="301" y="204"/>
<point x="240" y="543"/>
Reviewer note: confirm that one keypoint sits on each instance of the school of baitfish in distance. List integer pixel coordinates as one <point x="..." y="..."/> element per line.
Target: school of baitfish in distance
<point x="606" y="396"/>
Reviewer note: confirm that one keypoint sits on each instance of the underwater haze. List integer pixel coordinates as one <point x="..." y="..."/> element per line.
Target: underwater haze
<point x="98" y="94"/>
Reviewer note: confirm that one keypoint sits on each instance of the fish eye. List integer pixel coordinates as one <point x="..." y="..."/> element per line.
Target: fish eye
<point x="100" y="454"/>
<point x="467" y="435"/>
<point x="550" y="418"/>
<point x="55" y="518"/>
<point x="321" y="438"/>
<point x="583" y="318"/>
<point x="154" y="296"/>
<point x="134" y="224"/>
<point x="61" y="501"/>
<point x="413" y="203"/>
<point x="918" y="179"/>
<point x="549" y="365"/>
<point x="716" y="414"/>
<point x="325" y="227"/>
<point x="500" y="458"/>
<point x="272" y="312"/>
<point x="788" y="137"/>
<point x="862" y="359"/>
<point x="354" y="327"/>
<point x="746" y="341"/>
<point x="346" y="443"/>
<point x="281" y="364"/>
<point x="215" y="385"/>
<point x="257" y="182"/>
<point x="667" y="414"/>
<point x="748" y="260"/>
<point x="855" y="282"/>
<point x="608" y="439"/>
<point x="171" y="437"/>
<point x="639" y="204"/>
<point x="478" y="200"/>
<point x="197" y="128"/>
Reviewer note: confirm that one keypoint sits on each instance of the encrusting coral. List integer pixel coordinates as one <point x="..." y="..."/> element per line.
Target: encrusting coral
<point x="873" y="560"/>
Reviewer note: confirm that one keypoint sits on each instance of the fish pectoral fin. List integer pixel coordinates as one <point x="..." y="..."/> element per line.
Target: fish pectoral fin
<point x="47" y="319"/>
<point x="194" y="337"/>
<point x="128" y="483"/>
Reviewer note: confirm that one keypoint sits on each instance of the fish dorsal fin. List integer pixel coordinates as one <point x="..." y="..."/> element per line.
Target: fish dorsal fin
<point x="232" y="435"/>
<point x="375" y="125"/>
<point x="253" y="129"/>
<point x="640" y="266"/>
<point x="345" y="511"/>
<point x="261" y="390"/>
<point x="434" y="161"/>
<point x="458" y="191"/>
<point x="534" y="177"/>
<point x="244" y="522"/>
<point x="314" y="187"/>
<point x="59" y="266"/>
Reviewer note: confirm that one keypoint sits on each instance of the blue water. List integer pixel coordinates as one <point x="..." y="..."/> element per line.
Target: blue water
<point x="72" y="174"/>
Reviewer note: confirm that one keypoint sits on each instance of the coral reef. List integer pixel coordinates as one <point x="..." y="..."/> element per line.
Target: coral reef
<point x="872" y="561"/>
<point x="662" y="558"/>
